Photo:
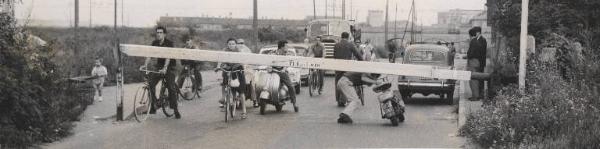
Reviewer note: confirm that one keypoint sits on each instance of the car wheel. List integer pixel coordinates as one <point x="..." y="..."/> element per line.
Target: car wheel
<point x="450" y="98"/>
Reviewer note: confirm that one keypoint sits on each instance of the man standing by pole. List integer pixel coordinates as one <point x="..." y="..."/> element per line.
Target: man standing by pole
<point x="476" y="56"/>
<point x="345" y="49"/>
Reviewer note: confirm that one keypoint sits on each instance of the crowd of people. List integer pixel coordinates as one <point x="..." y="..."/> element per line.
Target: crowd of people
<point x="344" y="81"/>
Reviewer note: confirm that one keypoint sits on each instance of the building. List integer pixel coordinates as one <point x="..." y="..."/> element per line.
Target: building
<point x="375" y="18"/>
<point x="211" y="23"/>
<point x="457" y="16"/>
<point x="481" y="21"/>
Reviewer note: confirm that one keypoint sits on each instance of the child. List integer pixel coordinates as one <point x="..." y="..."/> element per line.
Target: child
<point x="98" y="73"/>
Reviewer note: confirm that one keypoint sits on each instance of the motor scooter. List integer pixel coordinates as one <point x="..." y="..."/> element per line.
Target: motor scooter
<point x="391" y="104"/>
<point x="271" y="90"/>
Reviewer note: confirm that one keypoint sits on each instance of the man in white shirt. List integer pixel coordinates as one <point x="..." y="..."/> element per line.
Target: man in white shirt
<point x="99" y="72"/>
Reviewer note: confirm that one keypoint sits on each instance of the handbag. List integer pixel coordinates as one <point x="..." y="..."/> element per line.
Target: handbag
<point x="234" y="83"/>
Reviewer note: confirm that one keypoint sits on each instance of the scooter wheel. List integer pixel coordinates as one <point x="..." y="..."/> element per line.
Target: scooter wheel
<point x="296" y="109"/>
<point x="263" y="106"/>
<point x="401" y="117"/>
<point x="278" y="108"/>
<point x="395" y="120"/>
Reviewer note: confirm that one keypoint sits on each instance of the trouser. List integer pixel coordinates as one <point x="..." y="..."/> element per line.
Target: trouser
<point x="348" y="91"/>
<point x="285" y="79"/>
<point x="338" y="75"/>
<point x="477" y="86"/>
<point x="171" y="87"/>
<point x="196" y="71"/>
<point x="98" y="88"/>
<point x="321" y="74"/>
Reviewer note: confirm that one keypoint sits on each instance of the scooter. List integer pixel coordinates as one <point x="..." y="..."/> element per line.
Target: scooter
<point x="270" y="90"/>
<point x="391" y="104"/>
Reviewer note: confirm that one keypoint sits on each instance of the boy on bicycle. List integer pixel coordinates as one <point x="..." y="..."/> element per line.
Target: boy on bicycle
<point x="165" y="67"/>
<point x="193" y="66"/>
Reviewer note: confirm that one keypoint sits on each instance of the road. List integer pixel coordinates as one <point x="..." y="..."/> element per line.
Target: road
<point x="429" y="124"/>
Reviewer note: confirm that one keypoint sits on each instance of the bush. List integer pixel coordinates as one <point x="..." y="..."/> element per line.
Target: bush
<point x="552" y="111"/>
<point x="36" y="104"/>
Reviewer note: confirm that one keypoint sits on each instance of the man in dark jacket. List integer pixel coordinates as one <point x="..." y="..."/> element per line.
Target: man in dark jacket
<point x="167" y="69"/>
<point x="345" y="49"/>
<point x="476" y="56"/>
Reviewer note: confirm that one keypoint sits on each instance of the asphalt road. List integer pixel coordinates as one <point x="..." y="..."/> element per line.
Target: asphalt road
<point x="429" y="124"/>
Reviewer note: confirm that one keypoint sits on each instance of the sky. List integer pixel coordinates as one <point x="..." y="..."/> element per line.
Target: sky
<point x="145" y="13"/>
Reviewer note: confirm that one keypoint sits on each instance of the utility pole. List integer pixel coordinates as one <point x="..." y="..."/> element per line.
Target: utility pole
<point x="351" y="10"/>
<point x="119" y="72"/>
<point x="91" y="13"/>
<point x="255" y="24"/>
<point x="76" y="23"/>
<point x="314" y="9"/>
<point x="122" y="10"/>
<point x="396" y="21"/>
<point x="326" y="8"/>
<point x="343" y="9"/>
<point x="334" y="8"/>
<point x="387" y="2"/>
<point x="523" y="44"/>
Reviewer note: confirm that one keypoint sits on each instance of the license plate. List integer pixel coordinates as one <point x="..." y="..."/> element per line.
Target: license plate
<point x="264" y="95"/>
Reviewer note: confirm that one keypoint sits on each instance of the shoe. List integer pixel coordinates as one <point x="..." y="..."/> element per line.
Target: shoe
<point x="100" y="99"/>
<point x="221" y="105"/>
<point x="152" y="111"/>
<point x="344" y="119"/>
<point x="177" y="115"/>
<point x="243" y="116"/>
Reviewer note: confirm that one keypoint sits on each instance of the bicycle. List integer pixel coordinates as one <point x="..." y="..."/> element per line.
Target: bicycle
<point x="142" y="102"/>
<point x="314" y="82"/>
<point x="230" y="104"/>
<point x="189" y="83"/>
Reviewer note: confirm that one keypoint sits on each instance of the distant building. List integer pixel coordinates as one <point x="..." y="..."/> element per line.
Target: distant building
<point x="457" y="16"/>
<point x="210" y="23"/>
<point x="375" y="18"/>
<point x="321" y="17"/>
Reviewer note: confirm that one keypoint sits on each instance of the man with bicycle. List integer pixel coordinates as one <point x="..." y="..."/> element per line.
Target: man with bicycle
<point x="346" y="86"/>
<point x="192" y="66"/>
<point x="166" y="69"/>
<point x="232" y="47"/>
<point x="316" y="51"/>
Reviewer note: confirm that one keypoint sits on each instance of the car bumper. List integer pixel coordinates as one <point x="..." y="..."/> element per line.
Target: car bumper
<point x="421" y="87"/>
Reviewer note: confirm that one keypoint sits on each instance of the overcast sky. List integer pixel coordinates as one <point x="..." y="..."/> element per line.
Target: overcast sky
<point x="144" y="13"/>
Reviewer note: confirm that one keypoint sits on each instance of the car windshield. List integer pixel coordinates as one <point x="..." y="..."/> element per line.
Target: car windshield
<point x="427" y="56"/>
<point x="335" y="28"/>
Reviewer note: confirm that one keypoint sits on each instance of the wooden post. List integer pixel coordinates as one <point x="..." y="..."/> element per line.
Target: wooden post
<point x="76" y="23"/>
<point x="523" y="44"/>
<point x="314" y="9"/>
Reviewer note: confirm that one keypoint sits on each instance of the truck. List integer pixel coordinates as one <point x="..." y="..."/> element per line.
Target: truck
<point x="330" y="31"/>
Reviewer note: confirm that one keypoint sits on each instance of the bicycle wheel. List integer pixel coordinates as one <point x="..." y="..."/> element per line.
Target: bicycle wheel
<point x="234" y="103"/>
<point x="163" y="100"/>
<point x="312" y="83"/>
<point x="141" y="104"/>
<point x="227" y="103"/>
<point x="187" y="90"/>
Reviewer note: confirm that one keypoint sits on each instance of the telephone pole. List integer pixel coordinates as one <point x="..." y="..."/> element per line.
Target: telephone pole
<point x="76" y="23"/>
<point x="326" y="8"/>
<point x="255" y="24"/>
<point x="396" y="21"/>
<point x="387" y="2"/>
<point x="314" y="9"/>
<point x="343" y="9"/>
<point x="90" y="13"/>
<point x="523" y="44"/>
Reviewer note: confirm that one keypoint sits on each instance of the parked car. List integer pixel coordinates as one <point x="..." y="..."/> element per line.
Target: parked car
<point x="293" y="73"/>
<point x="431" y="55"/>
<point x="301" y="50"/>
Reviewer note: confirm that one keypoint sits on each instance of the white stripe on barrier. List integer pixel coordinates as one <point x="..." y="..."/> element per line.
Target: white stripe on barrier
<point x="291" y="61"/>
